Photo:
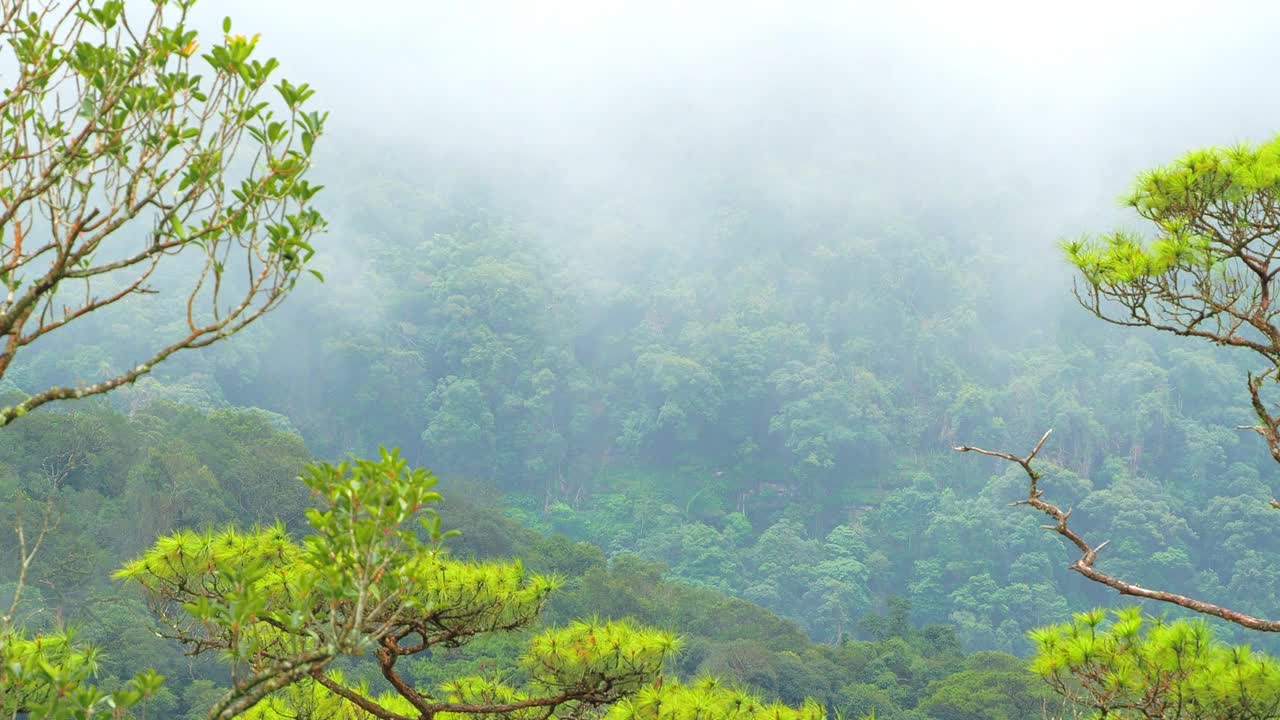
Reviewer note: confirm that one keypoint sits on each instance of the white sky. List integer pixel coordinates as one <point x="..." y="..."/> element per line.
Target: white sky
<point x="1094" y="89"/>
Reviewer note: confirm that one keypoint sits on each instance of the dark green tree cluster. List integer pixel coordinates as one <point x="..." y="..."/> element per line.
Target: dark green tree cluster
<point x="754" y="422"/>
<point x="899" y="671"/>
<point x="758" y="422"/>
<point x="711" y="417"/>
<point x="1207" y="274"/>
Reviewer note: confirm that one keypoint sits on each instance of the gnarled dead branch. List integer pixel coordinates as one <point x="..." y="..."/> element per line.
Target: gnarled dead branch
<point x="1086" y="563"/>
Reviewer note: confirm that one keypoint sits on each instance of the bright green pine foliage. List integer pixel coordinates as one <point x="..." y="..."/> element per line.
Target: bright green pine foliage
<point x="726" y="638"/>
<point x="48" y="676"/>
<point x="311" y="699"/>
<point x="1207" y="209"/>
<point x="1131" y="666"/>
<point x="35" y="667"/>
<point x="374" y="581"/>
<point x="561" y="659"/>
<point x="705" y="699"/>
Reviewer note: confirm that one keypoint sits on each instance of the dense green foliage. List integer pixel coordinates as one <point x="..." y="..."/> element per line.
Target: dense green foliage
<point x="1207" y="275"/>
<point x="367" y="582"/>
<point x="775" y="420"/>
<point x="106" y="130"/>
<point x="672" y="701"/>
<point x="898" y="671"/>
<point x="721" y="408"/>
<point x="1208" y="207"/>
<point x="111" y="134"/>
<point x="563" y="374"/>
<point x="1128" y="666"/>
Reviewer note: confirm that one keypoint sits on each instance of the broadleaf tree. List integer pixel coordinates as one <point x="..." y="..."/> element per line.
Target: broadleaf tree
<point x="134" y="161"/>
<point x="123" y="147"/>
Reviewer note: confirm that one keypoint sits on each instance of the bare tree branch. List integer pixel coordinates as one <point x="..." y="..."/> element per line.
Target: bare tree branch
<point x="1085" y="564"/>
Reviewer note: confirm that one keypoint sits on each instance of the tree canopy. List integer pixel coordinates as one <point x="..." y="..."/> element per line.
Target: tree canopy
<point x="1207" y="274"/>
<point x="364" y="583"/>
<point x="125" y="151"/>
<point x="126" y="148"/>
<point x="1122" y="664"/>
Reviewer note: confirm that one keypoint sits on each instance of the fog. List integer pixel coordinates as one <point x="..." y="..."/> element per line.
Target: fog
<point x="1022" y="122"/>
<point x="764" y="264"/>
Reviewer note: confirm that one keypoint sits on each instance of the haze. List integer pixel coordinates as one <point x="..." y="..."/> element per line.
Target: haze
<point x="691" y="303"/>
<point x="1049" y="109"/>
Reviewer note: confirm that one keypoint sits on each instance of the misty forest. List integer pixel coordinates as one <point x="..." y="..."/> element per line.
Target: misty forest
<point x="571" y="360"/>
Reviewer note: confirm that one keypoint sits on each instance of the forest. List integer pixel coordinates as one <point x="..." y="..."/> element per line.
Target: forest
<point x="598" y="384"/>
